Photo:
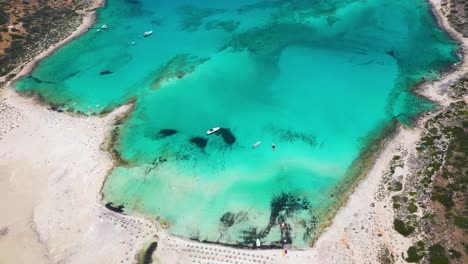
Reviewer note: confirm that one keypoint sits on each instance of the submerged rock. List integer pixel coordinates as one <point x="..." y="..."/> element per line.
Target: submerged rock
<point x="105" y="72"/>
<point x="199" y="141"/>
<point x="227" y="136"/>
<point x="167" y="132"/>
<point x="118" y="209"/>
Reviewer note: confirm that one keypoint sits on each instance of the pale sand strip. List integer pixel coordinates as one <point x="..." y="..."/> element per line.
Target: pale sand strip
<point x="51" y="169"/>
<point x="51" y="172"/>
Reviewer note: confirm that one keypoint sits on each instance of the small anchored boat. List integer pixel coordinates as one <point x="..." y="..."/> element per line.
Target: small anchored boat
<point x="147" y="33"/>
<point x="256" y="144"/>
<point x="104" y="26"/>
<point x="213" y="130"/>
<point x="258" y="242"/>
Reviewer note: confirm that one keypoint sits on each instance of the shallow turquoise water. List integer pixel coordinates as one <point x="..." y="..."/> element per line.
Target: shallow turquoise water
<point x="316" y="78"/>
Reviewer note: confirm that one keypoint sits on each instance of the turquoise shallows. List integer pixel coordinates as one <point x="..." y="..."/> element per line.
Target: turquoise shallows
<point x="315" y="78"/>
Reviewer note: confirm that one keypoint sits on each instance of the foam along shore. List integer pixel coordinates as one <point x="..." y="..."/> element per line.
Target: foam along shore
<point x="52" y="168"/>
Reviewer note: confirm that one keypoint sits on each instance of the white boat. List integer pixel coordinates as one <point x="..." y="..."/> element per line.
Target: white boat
<point x="258" y="242"/>
<point x="213" y="130"/>
<point x="104" y="26"/>
<point x="256" y="144"/>
<point x="147" y="33"/>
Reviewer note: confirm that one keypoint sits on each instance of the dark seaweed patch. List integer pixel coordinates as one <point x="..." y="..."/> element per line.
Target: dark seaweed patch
<point x="105" y="72"/>
<point x="38" y="80"/>
<point x="391" y="53"/>
<point x="73" y="74"/>
<point x="116" y="209"/>
<point x="292" y="136"/>
<point x="167" y="132"/>
<point x="199" y="142"/>
<point x="229" y="219"/>
<point x="155" y="163"/>
<point x="229" y="25"/>
<point x="149" y="253"/>
<point x="227" y="136"/>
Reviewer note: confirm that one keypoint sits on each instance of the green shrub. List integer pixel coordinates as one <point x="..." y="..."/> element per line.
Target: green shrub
<point x="398" y="187"/>
<point x="461" y="221"/>
<point x="443" y="197"/>
<point x="455" y="254"/>
<point x="437" y="254"/>
<point x="412" y="208"/>
<point x="402" y="228"/>
<point x="413" y="255"/>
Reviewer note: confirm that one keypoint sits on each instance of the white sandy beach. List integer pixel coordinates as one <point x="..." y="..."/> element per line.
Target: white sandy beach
<point x="52" y="167"/>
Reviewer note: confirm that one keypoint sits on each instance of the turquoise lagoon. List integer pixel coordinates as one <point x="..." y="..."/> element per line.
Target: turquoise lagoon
<point x="317" y="78"/>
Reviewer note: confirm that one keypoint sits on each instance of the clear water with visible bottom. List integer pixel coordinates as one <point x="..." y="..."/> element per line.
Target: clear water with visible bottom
<point x="315" y="78"/>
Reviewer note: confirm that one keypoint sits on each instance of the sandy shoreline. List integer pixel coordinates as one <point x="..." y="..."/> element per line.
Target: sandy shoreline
<point x="52" y="167"/>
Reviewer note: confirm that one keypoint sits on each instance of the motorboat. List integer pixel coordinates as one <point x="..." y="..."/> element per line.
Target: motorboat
<point x="256" y="144"/>
<point x="104" y="26"/>
<point x="213" y="130"/>
<point x="147" y="33"/>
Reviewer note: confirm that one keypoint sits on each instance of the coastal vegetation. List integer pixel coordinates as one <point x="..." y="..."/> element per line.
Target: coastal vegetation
<point x="434" y="194"/>
<point x="432" y="202"/>
<point x="457" y="14"/>
<point x="29" y="27"/>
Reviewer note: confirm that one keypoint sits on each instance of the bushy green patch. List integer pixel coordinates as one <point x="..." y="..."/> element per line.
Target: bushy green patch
<point x="402" y="228"/>
<point x="455" y="254"/>
<point x="437" y="254"/>
<point x="443" y="196"/>
<point x="460" y="221"/>
<point x="412" y="208"/>
<point x="414" y="255"/>
<point x="398" y="186"/>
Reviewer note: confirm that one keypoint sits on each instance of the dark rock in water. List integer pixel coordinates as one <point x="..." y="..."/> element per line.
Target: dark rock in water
<point x="105" y="72"/>
<point x="118" y="209"/>
<point x="199" y="141"/>
<point x="180" y="74"/>
<point x="227" y="135"/>
<point x="149" y="253"/>
<point x="167" y="132"/>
